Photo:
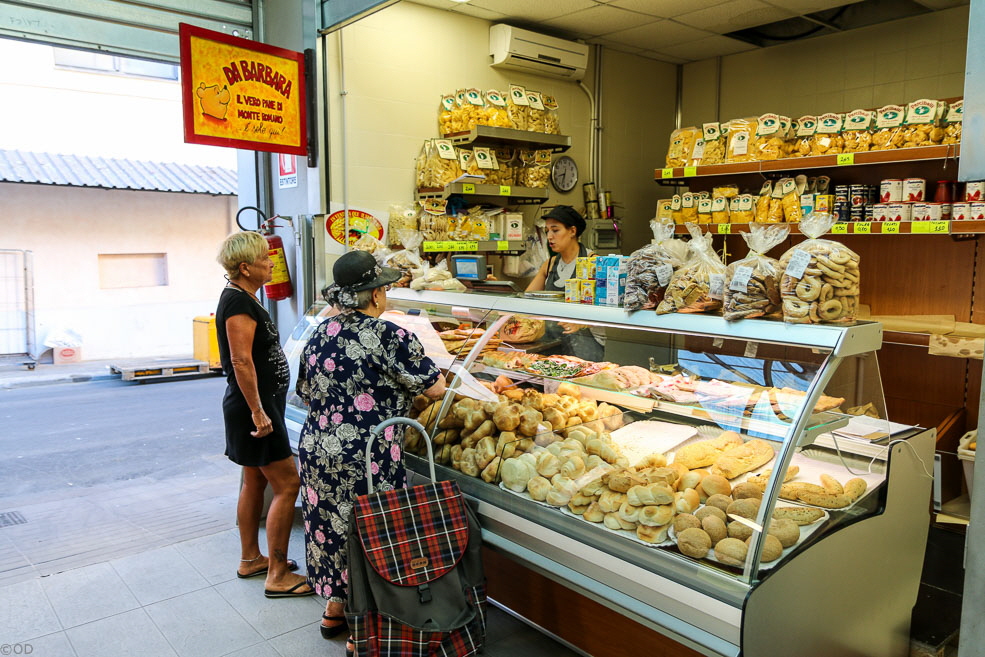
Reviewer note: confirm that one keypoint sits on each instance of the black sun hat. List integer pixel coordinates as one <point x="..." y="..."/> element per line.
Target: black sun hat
<point x="357" y="271"/>
<point x="568" y="216"/>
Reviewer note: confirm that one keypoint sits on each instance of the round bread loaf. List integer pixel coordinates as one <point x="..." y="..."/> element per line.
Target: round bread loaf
<point x="656" y="515"/>
<point x="731" y="551"/>
<point x="679" y="469"/>
<point x="684" y="521"/>
<point x="739" y="530"/>
<point x="747" y="490"/>
<point x="694" y="542"/>
<point x="715" y="528"/>
<point x="716" y="485"/>
<point x="538" y="487"/>
<point x="686" y="501"/>
<point x="772" y="549"/>
<point x="706" y="510"/>
<point x="720" y="501"/>
<point x="747" y="508"/>
<point x="786" y="531"/>
<point x="692" y="479"/>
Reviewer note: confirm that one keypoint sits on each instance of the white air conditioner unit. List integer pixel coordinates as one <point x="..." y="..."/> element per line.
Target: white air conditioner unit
<point x="530" y="52"/>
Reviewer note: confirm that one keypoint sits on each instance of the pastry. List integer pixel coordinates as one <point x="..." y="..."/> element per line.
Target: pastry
<point x="743" y="458"/>
<point x="704" y="452"/>
<point x="693" y="542"/>
<point x="593" y="513"/>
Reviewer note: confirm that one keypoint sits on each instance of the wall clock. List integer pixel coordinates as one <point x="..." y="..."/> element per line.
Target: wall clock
<point x="564" y="173"/>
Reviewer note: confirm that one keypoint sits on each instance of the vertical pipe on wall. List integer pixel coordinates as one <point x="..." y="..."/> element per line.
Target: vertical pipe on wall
<point x="718" y="89"/>
<point x="597" y="170"/>
<point x="345" y="146"/>
<point x="679" y="101"/>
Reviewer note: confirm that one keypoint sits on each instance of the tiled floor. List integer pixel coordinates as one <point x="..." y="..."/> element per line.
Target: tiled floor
<point x="111" y="574"/>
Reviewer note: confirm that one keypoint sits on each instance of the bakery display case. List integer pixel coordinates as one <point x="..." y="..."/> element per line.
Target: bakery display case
<point x="706" y="479"/>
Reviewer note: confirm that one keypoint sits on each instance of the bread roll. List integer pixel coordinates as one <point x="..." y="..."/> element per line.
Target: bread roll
<point x="692" y="479"/>
<point x="786" y="531"/>
<point x="485" y="452"/>
<point x="746" y="508"/>
<point x="679" y="468"/>
<point x="739" y="530"/>
<point x="650" y="495"/>
<point x="686" y="501"/>
<point x="467" y="464"/>
<point x="801" y="515"/>
<point x="507" y="417"/>
<point x="855" y="488"/>
<point x="614" y="522"/>
<point x="629" y="513"/>
<point x="593" y="488"/>
<point x="731" y="551"/>
<point x="581" y="500"/>
<point x="772" y="549"/>
<point x="506" y="445"/>
<point x="573" y="467"/>
<point x="693" y="542"/>
<point x="548" y="464"/>
<point x="709" y="511"/>
<point x="594" y="461"/>
<point x="831" y="485"/>
<point x="652" y="534"/>
<point x="740" y="459"/>
<point x="655" y="460"/>
<point x="610" y="500"/>
<point x="491" y="472"/>
<point x="569" y="389"/>
<point x="622" y="481"/>
<point x="593" y="513"/>
<point x="715" y="485"/>
<point x="719" y="501"/>
<point x="557" y="498"/>
<point x="715" y="528"/>
<point x="656" y="516"/>
<point x="577" y="509"/>
<point x="537" y="486"/>
<point x="658" y="475"/>
<point x="684" y="521"/>
<point x="747" y="490"/>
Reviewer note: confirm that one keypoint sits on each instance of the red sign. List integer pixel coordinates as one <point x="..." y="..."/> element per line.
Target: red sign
<point x="241" y="93"/>
<point x="360" y="223"/>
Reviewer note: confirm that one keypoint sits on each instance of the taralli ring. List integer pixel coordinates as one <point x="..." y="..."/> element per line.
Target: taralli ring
<point x="795" y="307"/>
<point x="830" y="309"/>
<point x="840" y="257"/>
<point x="808" y="289"/>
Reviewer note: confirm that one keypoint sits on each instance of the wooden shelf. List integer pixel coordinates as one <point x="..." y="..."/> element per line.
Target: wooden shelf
<point x="906" y="338"/>
<point x="513" y="194"/>
<point x="489" y="135"/>
<point x="864" y="228"/>
<point x="679" y="175"/>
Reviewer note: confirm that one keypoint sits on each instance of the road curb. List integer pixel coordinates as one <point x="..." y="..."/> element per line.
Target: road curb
<point x="69" y="378"/>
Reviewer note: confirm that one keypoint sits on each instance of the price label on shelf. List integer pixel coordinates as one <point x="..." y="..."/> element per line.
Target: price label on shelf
<point x="840" y="228"/>
<point x="667" y="173"/>
<point x="846" y="159"/>
<point x="690" y="171"/>
<point x="930" y="227"/>
<point x="442" y="247"/>
<point x="468" y="188"/>
<point x="862" y="228"/>
<point x="724" y="229"/>
<point x="502" y="245"/>
<point x="890" y="228"/>
<point x="504" y="190"/>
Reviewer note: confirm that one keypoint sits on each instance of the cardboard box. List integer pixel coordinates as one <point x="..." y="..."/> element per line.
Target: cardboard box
<point x="63" y="355"/>
<point x="572" y="290"/>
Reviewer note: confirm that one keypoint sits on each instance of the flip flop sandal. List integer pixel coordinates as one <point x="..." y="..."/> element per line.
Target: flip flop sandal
<point x="291" y="592"/>
<point x="292" y="565"/>
<point x="330" y="632"/>
<point x="349" y="652"/>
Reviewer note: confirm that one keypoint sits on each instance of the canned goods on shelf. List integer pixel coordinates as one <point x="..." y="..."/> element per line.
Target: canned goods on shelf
<point x="914" y="189"/>
<point x="891" y="190"/>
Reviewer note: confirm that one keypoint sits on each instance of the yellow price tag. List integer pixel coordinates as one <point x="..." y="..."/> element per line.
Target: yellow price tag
<point x="724" y="229"/>
<point x="502" y="245"/>
<point x="940" y="227"/>
<point x="930" y="227"/>
<point x="690" y="171"/>
<point x="432" y="247"/>
<point x="504" y="190"/>
<point x="468" y="188"/>
<point x="890" y="228"/>
<point x="667" y="173"/>
<point x="862" y="228"/>
<point x="840" y="229"/>
<point x="845" y="159"/>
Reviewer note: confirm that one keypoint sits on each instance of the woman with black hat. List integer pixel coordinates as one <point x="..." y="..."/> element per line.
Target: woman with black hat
<point x="356" y="371"/>
<point x="564" y="226"/>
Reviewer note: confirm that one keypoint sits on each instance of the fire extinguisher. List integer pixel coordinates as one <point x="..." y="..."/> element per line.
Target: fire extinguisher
<point x="279" y="286"/>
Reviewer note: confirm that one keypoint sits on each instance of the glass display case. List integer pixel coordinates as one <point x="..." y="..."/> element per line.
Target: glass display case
<point x="735" y="486"/>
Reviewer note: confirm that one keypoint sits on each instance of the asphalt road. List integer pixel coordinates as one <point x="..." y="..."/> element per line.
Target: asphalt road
<point x="83" y="434"/>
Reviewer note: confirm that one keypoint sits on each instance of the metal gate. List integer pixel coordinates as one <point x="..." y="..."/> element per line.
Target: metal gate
<point x="146" y="29"/>
<point x="17" y="305"/>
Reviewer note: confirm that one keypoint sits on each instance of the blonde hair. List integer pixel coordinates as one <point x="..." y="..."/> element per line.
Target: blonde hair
<point x="246" y="246"/>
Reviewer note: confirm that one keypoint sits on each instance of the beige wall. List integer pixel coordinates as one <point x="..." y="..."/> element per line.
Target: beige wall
<point x="896" y="62"/>
<point x="68" y="227"/>
<point x="400" y="60"/>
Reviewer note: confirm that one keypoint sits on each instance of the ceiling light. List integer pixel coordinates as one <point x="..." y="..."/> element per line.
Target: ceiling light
<point x="460" y="0"/>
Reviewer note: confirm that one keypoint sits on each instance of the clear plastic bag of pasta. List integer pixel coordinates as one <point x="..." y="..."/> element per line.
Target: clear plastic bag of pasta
<point x="447" y="123"/>
<point x="699" y="285"/>
<point x="819" y="282"/>
<point x="784" y="203"/>
<point x="952" y="123"/>
<point x="827" y="138"/>
<point x="804" y="129"/>
<point x="422" y="175"/>
<point x="552" y="118"/>
<point x="762" y="211"/>
<point x="752" y="285"/>
<point x="857" y="131"/>
<point x="714" y="138"/>
<point x="689" y="207"/>
<point x="650" y="268"/>
<point x="443" y="162"/>
<point x="771" y="141"/>
<point x="537" y="171"/>
<point x="536" y="112"/>
<point x="888" y="133"/>
<point x="497" y="114"/>
<point x="681" y="146"/>
<point x="403" y="220"/>
<point x="484" y="164"/>
<point x="433" y="222"/>
<point x="922" y="126"/>
<point x="517" y="106"/>
<point x="741" y="133"/>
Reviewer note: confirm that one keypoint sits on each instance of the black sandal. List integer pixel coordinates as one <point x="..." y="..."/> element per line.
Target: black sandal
<point x="349" y="652"/>
<point x="332" y="631"/>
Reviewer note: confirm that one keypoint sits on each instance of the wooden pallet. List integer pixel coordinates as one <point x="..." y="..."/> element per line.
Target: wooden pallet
<point x="163" y="370"/>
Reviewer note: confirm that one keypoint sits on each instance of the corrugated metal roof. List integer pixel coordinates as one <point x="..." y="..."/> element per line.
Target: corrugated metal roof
<point x="115" y="173"/>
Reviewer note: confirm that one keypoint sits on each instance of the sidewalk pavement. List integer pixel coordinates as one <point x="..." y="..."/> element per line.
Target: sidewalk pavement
<point x="15" y="375"/>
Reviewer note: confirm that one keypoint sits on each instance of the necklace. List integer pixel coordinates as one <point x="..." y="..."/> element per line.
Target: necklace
<point x="228" y="283"/>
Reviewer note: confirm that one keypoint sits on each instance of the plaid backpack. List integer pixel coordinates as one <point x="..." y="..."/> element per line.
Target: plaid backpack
<point x="416" y="583"/>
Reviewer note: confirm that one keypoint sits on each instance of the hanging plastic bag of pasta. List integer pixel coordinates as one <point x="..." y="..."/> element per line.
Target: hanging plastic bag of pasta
<point x="484" y="163"/>
<point x="698" y="286"/>
<point x="922" y="124"/>
<point x="402" y="220"/>
<point x="752" y="285"/>
<point x="689" y="207"/>
<point x="804" y="130"/>
<point x="741" y="209"/>
<point x="857" y="131"/>
<point x="888" y="134"/>
<point x="538" y="169"/>
<point x="820" y="277"/>
<point x="517" y="106"/>
<point x="477" y="108"/>
<point x="952" y="123"/>
<point x="827" y="139"/>
<point x="763" y="203"/>
<point x="444" y="163"/>
<point x="649" y="269"/>
<point x="446" y="116"/>
<point x="465" y="120"/>
<point x="770" y="139"/>
<point x="497" y="114"/>
<point x="422" y="175"/>
<point x="681" y="145"/>
<point x="676" y="213"/>
<point x="552" y="118"/>
<point x="704" y="208"/>
<point x="713" y="151"/>
<point x="740" y="136"/>
<point x="535" y="112"/>
<point x="433" y="222"/>
<point x="785" y="203"/>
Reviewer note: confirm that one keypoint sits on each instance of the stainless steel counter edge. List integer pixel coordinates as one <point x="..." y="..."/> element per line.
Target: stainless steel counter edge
<point x="842" y="340"/>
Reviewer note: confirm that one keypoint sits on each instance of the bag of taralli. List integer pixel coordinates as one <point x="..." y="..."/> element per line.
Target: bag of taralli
<point x="698" y="286"/>
<point x="820" y="280"/>
<point x="649" y="269"/>
<point x="752" y="285"/>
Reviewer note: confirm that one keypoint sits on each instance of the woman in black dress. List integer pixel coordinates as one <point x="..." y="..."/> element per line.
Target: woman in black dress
<point x="253" y="409"/>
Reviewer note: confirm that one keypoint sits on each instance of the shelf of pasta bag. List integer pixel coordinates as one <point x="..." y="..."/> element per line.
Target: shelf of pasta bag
<point x="474" y="246"/>
<point x="794" y="164"/>
<point x="906" y="338"/>
<point x="863" y="228"/>
<point x="487" y="134"/>
<point x="481" y="192"/>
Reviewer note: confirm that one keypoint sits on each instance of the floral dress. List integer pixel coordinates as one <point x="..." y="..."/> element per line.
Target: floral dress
<point x="356" y="371"/>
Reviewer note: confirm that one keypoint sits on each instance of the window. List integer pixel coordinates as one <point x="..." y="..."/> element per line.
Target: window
<point x="121" y="270"/>
<point x="93" y="61"/>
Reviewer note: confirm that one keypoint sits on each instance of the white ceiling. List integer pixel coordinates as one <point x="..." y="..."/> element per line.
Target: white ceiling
<point x="675" y="31"/>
